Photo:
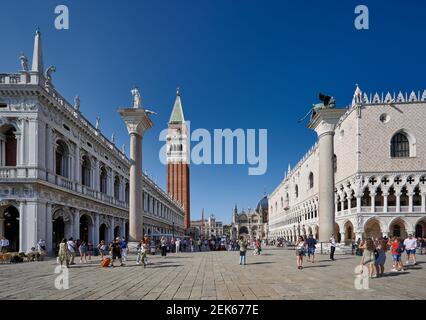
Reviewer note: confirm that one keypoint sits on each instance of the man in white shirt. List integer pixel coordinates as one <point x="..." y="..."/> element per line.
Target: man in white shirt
<point x="332" y="247"/>
<point x="177" y="243"/>
<point x="410" y="248"/>
<point x="72" y="248"/>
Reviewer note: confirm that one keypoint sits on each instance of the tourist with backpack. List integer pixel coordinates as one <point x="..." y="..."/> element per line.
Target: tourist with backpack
<point x="63" y="255"/>
<point x="312" y="242"/>
<point x="243" y="250"/>
<point x="397" y="248"/>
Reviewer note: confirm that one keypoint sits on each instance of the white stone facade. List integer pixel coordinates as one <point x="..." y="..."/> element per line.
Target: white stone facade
<point x="380" y="174"/>
<point x="59" y="175"/>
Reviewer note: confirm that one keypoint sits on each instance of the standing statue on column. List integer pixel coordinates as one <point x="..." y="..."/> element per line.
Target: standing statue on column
<point x="98" y="120"/>
<point x="137" y="100"/>
<point x="24" y="62"/>
<point x="77" y="103"/>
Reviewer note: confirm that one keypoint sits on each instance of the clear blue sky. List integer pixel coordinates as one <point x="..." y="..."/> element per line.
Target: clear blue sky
<point x="240" y="64"/>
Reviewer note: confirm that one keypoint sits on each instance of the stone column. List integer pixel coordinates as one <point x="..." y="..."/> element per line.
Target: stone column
<point x="76" y="225"/>
<point x="373" y="202"/>
<point x="96" y="233"/>
<point x="423" y="202"/>
<point x="410" y="202"/>
<point x="49" y="229"/>
<point x="137" y="122"/>
<point x="342" y="236"/>
<point x="349" y="204"/>
<point x="323" y="122"/>
<point x="111" y="230"/>
<point x="358" y="203"/>
<point x="398" y="200"/>
<point x="385" y="202"/>
<point x="22" y="234"/>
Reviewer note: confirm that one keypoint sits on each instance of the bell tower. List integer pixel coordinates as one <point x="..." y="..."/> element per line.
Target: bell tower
<point x="178" y="158"/>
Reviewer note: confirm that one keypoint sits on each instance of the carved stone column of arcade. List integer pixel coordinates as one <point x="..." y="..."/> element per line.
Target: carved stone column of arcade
<point x="137" y="122"/>
<point x="324" y="122"/>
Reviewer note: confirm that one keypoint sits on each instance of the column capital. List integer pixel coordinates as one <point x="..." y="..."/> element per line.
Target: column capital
<point x="324" y="121"/>
<point x="137" y="120"/>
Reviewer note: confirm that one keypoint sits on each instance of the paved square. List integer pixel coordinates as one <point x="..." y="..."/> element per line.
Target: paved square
<point x="212" y="275"/>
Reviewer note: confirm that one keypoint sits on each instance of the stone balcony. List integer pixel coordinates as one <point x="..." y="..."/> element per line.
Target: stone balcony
<point x="33" y="174"/>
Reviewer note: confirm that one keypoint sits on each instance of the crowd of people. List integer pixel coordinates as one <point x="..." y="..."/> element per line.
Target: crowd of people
<point x="373" y="252"/>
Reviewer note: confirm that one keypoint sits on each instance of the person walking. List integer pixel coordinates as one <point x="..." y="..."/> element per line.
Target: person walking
<point x="4" y="245"/>
<point x="89" y="250"/>
<point x="300" y="252"/>
<point x="177" y="243"/>
<point x="142" y="252"/>
<point x="41" y="248"/>
<point x="332" y="247"/>
<point x="410" y="245"/>
<point x="116" y="252"/>
<point x="311" y="242"/>
<point x="243" y="250"/>
<point x="199" y="245"/>
<point x="72" y="249"/>
<point x="397" y="250"/>
<point x="163" y="244"/>
<point x="103" y="249"/>
<point x="380" y="255"/>
<point x="124" y="248"/>
<point x="83" y="252"/>
<point x="368" y="258"/>
<point x="63" y="254"/>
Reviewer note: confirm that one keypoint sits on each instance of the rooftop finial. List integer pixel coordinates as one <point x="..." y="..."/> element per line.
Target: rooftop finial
<point x="37" y="63"/>
<point x="178" y="92"/>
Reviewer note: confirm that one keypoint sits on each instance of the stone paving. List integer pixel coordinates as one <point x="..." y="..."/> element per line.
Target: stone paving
<point x="212" y="275"/>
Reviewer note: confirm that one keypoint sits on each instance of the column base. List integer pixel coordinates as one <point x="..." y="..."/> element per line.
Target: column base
<point x="132" y="247"/>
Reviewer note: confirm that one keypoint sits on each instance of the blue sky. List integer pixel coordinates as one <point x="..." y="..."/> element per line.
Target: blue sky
<point x="240" y="64"/>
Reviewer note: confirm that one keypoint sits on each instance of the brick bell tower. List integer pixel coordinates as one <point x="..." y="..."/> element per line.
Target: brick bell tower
<point x="178" y="158"/>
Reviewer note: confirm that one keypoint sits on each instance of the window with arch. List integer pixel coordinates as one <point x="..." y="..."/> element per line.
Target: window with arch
<point x="400" y="145"/>
<point x="282" y="202"/>
<point x="8" y="146"/>
<point x="62" y="159"/>
<point x="311" y="180"/>
<point x="86" y="169"/>
<point x="103" y="178"/>
<point x="296" y="191"/>
<point x="117" y="187"/>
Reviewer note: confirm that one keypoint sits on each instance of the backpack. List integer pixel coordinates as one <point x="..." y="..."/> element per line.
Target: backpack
<point x="401" y="248"/>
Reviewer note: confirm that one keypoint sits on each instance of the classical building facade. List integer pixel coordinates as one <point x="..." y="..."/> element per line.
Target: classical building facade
<point x="178" y="159"/>
<point x="251" y="223"/>
<point x="59" y="175"/>
<point x="207" y="228"/>
<point x="379" y="173"/>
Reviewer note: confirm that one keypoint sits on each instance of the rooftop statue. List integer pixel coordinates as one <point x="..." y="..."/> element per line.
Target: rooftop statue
<point x="24" y="62"/>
